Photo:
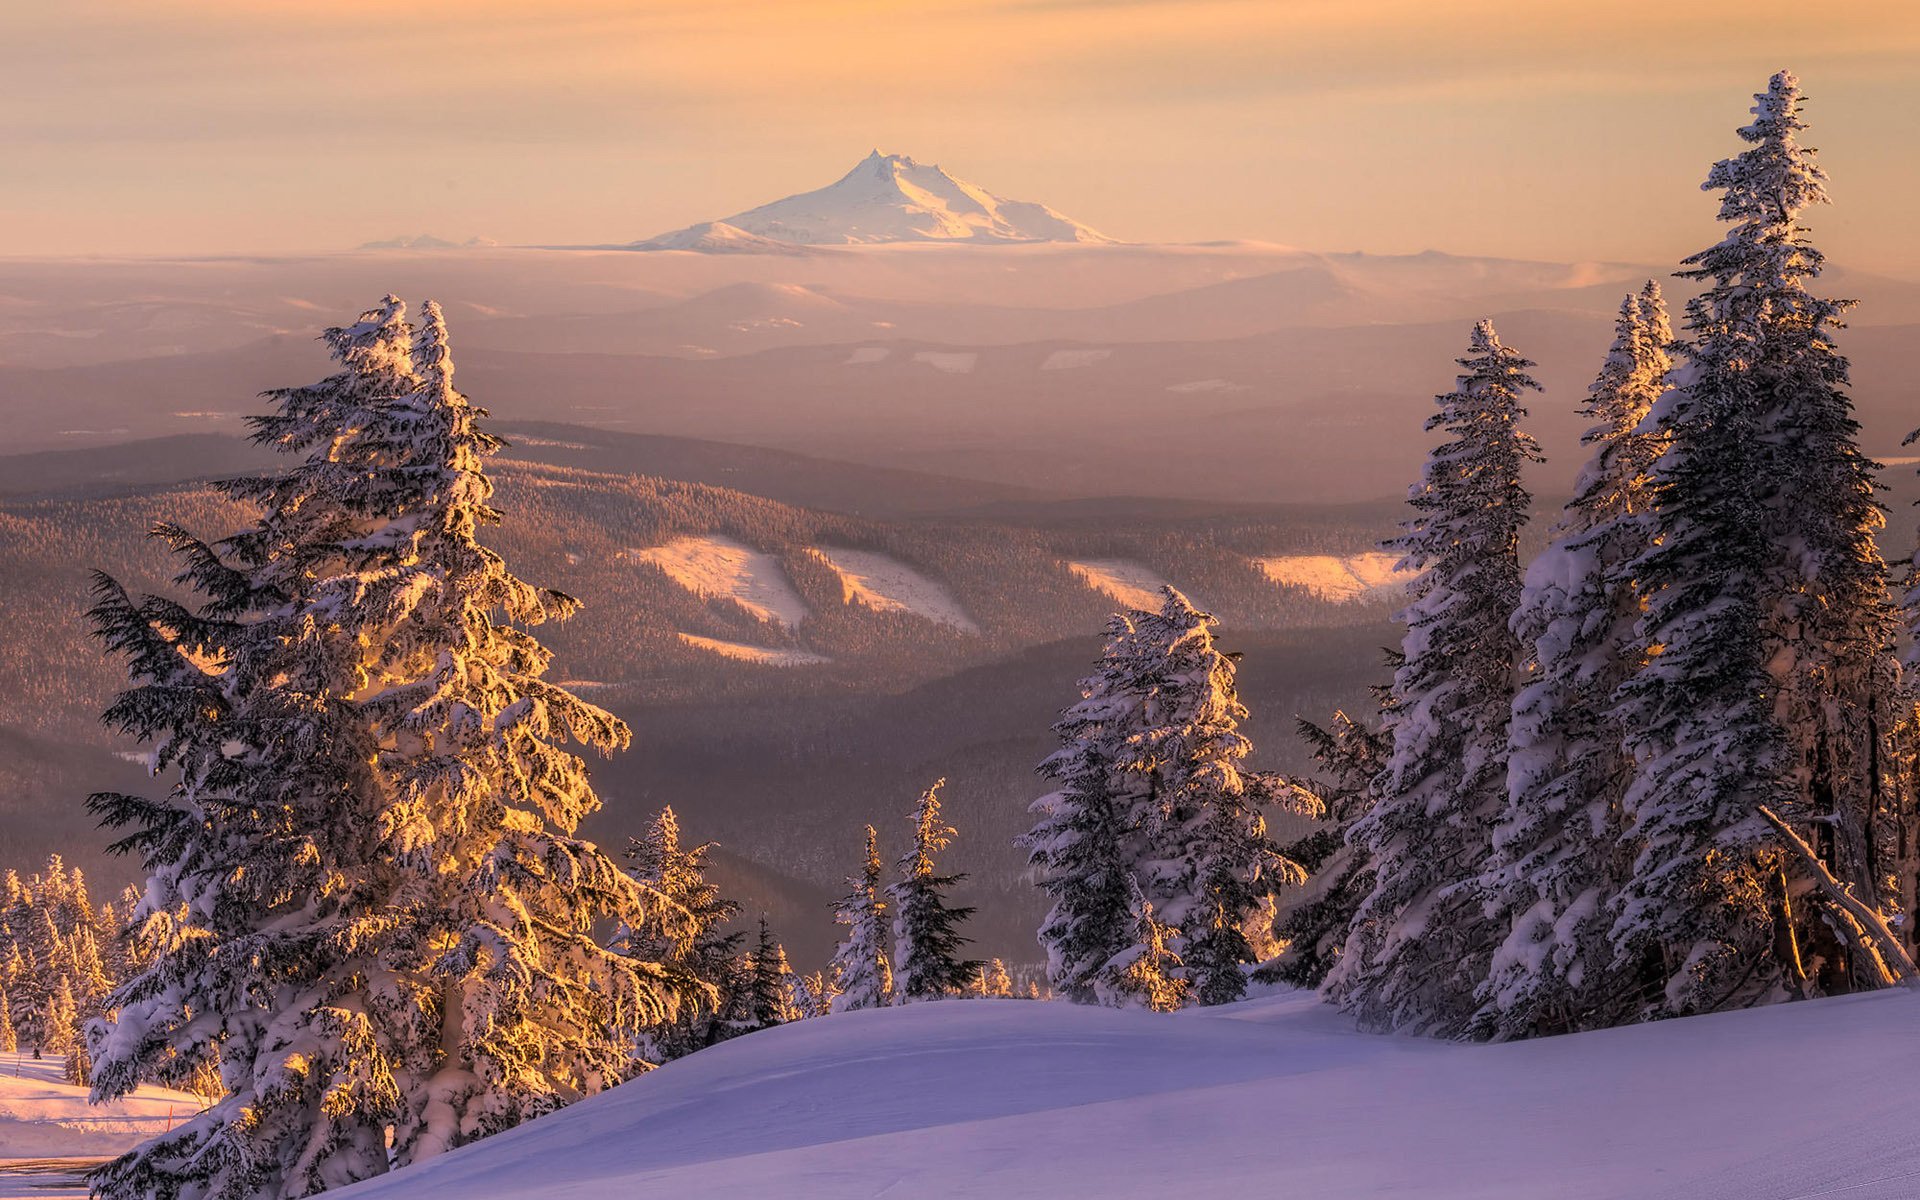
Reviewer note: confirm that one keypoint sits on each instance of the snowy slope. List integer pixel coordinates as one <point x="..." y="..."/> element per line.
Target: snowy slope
<point x="1369" y="576"/>
<point x="888" y="585"/>
<point x="721" y="568"/>
<point x="886" y="198"/>
<point x="43" y="1116"/>
<point x="1130" y="583"/>
<point x="741" y="652"/>
<point x="1275" y="1097"/>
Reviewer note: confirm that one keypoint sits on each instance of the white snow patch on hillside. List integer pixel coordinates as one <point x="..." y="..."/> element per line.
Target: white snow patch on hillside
<point x="43" y="1116"/>
<point x="1011" y="1099"/>
<point x="1368" y="576"/>
<point x="714" y="566"/>
<point x="953" y="362"/>
<point x="1206" y="385"/>
<point x="888" y="585"/>
<point x="868" y="354"/>
<point x="1128" y="582"/>
<point x="741" y="652"/>
<point x="1069" y="360"/>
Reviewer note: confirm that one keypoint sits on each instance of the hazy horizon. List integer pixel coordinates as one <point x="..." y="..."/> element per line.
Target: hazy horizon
<point x="1485" y="128"/>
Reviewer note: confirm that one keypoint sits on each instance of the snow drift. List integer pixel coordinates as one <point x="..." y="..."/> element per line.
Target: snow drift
<point x="1273" y="1097"/>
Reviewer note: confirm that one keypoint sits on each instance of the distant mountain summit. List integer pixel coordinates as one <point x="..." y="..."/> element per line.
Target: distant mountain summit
<point x="886" y="198"/>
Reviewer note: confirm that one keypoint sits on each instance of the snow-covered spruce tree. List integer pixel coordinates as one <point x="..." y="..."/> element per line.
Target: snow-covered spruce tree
<point x="1767" y="619"/>
<point x="364" y="901"/>
<point x="863" y="962"/>
<point x="1420" y="942"/>
<point x="1211" y="869"/>
<point x="9" y="1036"/>
<point x="1085" y="839"/>
<point x="1351" y="756"/>
<point x="996" y="983"/>
<point x="1559" y="855"/>
<point x="1147" y="974"/>
<point x="686" y="930"/>
<point x="770" y="987"/>
<point x="926" y="929"/>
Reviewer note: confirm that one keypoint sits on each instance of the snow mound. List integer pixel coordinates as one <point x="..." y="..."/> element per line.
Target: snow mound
<point x="43" y="1116"/>
<point x="1009" y="1099"/>
<point x="887" y="585"/>
<point x="1128" y="582"/>
<point x="719" y="567"/>
<point x="866" y="355"/>
<point x="1341" y="578"/>
<point x="886" y="198"/>
<point x="741" y="652"/>
<point x="951" y="362"/>
<point x="1069" y="360"/>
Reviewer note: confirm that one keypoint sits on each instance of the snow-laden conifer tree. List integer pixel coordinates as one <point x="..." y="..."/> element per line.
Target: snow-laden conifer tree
<point x="1314" y="929"/>
<point x="863" y="962"/>
<point x="996" y="982"/>
<point x="1559" y="849"/>
<point x="9" y="1036"/>
<point x="1420" y="941"/>
<point x="1767" y="622"/>
<point x="1147" y="974"/>
<point x="1086" y="838"/>
<point x="1212" y="868"/>
<point x="364" y="900"/>
<point x="926" y="929"/>
<point x="771" y="984"/>
<point x="686" y="930"/>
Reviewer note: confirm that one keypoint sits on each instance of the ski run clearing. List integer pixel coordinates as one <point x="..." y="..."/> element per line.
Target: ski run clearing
<point x="719" y="567"/>
<point x="44" y="1117"/>
<point x="1276" y="1096"/>
<point x="1128" y="582"/>
<point x="1369" y="576"/>
<point x="741" y="652"/>
<point x="887" y="585"/>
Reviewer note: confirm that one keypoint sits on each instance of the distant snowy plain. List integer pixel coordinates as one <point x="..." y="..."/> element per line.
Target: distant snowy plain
<point x="1274" y="1097"/>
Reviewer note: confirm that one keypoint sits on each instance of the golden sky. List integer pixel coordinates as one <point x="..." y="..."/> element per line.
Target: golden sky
<point x="1537" y="129"/>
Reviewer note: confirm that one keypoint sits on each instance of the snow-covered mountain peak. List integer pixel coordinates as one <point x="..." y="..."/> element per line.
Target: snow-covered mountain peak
<point x="886" y="198"/>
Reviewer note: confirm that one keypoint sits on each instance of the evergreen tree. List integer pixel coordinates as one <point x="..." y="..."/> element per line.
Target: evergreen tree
<point x="1766" y="618"/>
<point x="814" y="994"/>
<point x="926" y="929"/>
<point x="1314" y="929"/>
<point x="9" y="1036"/>
<point x="995" y="982"/>
<point x="1148" y="973"/>
<point x="685" y="930"/>
<point x="1085" y="838"/>
<point x="364" y="900"/>
<point x="1559" y="858"/>
<point x="771" y="986"/>
<point x="1420" y="942"/>
<point x="863" y="963"/>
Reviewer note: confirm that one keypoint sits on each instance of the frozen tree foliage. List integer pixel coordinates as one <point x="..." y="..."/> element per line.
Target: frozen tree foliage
<point x="685" y="929"/>
<point x="1558" y="852"/>
<point x="1314" y="927"/>
<point x="1211" y="868"/>
<point x="995" y="982"/>
<point x="863" y="962"/>
<point x="1151" y="787"/>
<point x="1085" y="840"/>
<point x="1148" y="973"/>
<point x="1420" y="942"/>
<point x="770" y="983"/>
<point x="1768" y="624"/>
<point x="364" y="900"/>
<point x="926" y="929"/>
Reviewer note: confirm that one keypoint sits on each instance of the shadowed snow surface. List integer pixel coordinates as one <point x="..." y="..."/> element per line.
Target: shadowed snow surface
<point x="1274" y="1097"/>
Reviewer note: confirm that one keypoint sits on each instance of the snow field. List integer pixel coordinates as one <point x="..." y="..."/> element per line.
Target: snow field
<point x="1070" y="360"/>
<point x="1277" y="1096"/>
<point x="1127" y="582"/>
<point x="886" y="584"/>
<point x="43" y="1116"/>
<point x="1341" y="578"/>
<point x="949" y="362"/>
<point x="710" y="566"/>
